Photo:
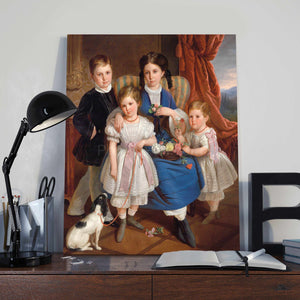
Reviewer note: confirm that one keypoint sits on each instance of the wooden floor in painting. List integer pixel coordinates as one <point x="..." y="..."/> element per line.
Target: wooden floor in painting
<point x="221" y="234"/>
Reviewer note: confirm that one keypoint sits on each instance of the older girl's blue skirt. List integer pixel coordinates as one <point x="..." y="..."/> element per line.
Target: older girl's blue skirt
<point x="179" y="184"/>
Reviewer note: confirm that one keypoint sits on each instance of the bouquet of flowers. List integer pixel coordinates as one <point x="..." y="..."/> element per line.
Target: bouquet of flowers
<point x="171" y="150"/>
<point x="153" y="108"/>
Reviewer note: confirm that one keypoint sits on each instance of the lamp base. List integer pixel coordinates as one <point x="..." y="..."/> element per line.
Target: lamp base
<point x="24" y="259"/>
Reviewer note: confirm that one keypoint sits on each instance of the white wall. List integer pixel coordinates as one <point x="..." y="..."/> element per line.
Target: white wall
<point x="33" y="59"/>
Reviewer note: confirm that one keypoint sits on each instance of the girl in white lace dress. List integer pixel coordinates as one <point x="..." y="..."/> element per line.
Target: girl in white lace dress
<point x="218" y="171"/>
<point x="129" y="174"/>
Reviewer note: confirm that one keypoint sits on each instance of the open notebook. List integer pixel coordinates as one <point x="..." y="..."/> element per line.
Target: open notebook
<point x="219" y="259"/>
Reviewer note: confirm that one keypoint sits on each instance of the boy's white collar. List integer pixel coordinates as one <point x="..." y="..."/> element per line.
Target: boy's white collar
<point x="100" y="90"/>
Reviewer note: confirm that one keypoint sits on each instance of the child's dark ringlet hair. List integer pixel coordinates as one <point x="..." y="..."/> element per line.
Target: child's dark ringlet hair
<point x="156" y="59"/>
<point x="99" y="59"/>
<point x="129" y="91"/>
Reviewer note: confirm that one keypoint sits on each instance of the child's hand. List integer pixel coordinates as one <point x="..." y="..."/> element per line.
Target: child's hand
<point x="164" y="111"/>
<point x="186" y="149"/>
<point x="119" y="122"/>
<point x="114" y="173"/>
<point x="139" y="146"/>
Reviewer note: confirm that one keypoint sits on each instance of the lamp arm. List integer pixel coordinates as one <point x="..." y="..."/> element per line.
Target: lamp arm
<point x="7" y="164"/>
<point x="8" y="161"/>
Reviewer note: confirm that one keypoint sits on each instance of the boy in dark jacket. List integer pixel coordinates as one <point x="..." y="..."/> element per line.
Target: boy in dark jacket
<point x="90" y="121"/>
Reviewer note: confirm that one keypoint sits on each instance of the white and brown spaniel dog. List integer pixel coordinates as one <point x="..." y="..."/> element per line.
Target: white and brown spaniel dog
<point x="86" y="232"/>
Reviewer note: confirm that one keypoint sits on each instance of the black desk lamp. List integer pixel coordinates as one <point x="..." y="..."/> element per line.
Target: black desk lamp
<point x="45" y="110"/>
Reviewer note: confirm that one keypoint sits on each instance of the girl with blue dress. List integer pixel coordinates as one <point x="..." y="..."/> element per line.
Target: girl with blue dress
<point x="178" y="184"/>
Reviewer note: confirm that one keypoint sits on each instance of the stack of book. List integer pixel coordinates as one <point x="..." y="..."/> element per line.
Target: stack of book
<point x="292" y="250"/>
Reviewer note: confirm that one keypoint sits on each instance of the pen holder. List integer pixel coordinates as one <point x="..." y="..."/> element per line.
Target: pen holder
<point x="36" y="219"/>
<point x="37" y="225"/>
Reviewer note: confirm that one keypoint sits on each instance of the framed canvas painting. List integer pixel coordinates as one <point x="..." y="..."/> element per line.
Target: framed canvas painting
<point x="170" y="169"/>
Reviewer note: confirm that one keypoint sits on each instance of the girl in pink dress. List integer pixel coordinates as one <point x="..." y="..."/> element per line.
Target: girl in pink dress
<point x="218" y="171"/>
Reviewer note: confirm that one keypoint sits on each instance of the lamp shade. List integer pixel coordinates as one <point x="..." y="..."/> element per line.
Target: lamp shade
<point x="48" y="109"/>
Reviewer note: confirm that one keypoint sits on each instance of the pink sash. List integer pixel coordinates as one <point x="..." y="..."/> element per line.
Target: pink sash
<point x="128" y="166"/>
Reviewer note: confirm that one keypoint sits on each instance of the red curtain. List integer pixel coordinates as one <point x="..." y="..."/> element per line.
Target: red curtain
<point x="195" y="53"/>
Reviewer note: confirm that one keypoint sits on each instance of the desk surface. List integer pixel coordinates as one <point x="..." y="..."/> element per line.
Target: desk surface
<point x="132" y="277"/>
<point x="130" y="264"/>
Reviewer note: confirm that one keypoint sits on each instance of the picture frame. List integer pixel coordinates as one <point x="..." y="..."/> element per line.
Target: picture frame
<point x="221" y="234"/>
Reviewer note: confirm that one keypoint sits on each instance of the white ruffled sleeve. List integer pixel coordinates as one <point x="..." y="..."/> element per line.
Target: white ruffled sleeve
<point x="182" y="115"/>
<point x="110" y="131"/>
<point x="148" y="128"/>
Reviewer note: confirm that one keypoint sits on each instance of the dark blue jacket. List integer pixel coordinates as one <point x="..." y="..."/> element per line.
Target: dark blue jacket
<point x="93" y="110"/>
